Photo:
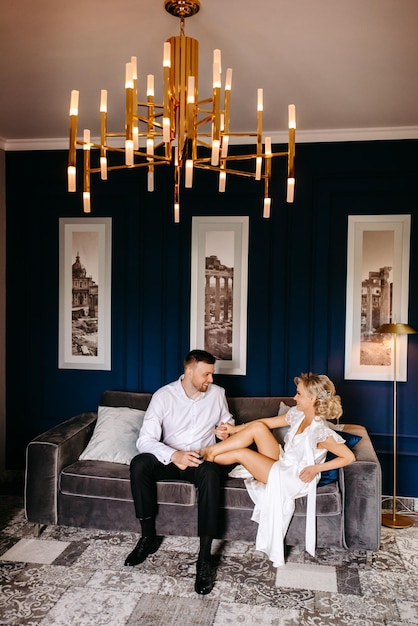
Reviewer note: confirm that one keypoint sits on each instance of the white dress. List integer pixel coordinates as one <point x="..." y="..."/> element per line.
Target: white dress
<point x="275" y="501"/>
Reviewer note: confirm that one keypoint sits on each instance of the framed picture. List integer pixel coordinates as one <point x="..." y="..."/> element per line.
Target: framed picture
<point x="219" y="275"/>
<point x="377" y="293"/>
<point x="85" y="248"/>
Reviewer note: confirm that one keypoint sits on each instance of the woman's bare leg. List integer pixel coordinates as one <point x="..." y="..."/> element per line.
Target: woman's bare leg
<point x="254" y="432"/>
<point x="257" y="464"/>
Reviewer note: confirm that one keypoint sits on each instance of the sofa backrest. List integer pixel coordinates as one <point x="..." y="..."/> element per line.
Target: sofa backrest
<point x="131" y="399"/>
<point x="248" y="409"/>
<point x="242" y="409"/>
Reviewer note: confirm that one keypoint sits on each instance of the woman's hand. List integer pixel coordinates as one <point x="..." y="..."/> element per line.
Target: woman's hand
<point x="308" y="473"/>
<point x="224" y="430"/>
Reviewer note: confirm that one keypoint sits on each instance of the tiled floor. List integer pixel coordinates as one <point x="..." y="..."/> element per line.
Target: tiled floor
<point x="76" y="576"/>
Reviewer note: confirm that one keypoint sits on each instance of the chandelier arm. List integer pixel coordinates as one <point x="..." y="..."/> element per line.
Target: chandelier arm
<point x="146" y="104"/>
<point x="204" y="121"/>
<point x="239" y="157"/>
<point x="86" y="172"/>
<point x="291" y="157"/>
<point x="95" y="170"/>
<point x="207" y="166"/>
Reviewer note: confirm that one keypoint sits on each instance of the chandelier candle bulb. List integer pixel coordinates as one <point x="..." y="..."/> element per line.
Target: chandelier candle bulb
<point x="74" y="102"/>
<point x="222" y="181"/>
<point x="167" y="54"/>
<point x="215" y="152"/>
<point x="150" y="180"/>
<point x="259" y="99"/>
<point x="267" y="146"/>
<point x="103" y="132"/>
<point x="86" y="181"/>
<point x="150" y="85"/>
<point x="190" y="90"/>
<point x="129" y="152"/>
<point x="103" y="168"/>
<point x="166" y="87"/>
<point x="129" y="81"/>
<point x="189" y="173"/>
<point x="266" y="208"/>
<point x="228" y="79"/>
<point x="217" y="59"/>
<point x="225" y="144"/>
<point x="86" y="202"/>
<point x="292" y="116"/>
<point x="150" y="146"/>
<point x="258" y="164"/>
<point x="134" y="68"/>
<point x="103" y="101"/>
<point x="290" y="190"/>
<point x="72" y="156"/>
<point x="216" y="76"/>
<point x="135" y="137"/>
<point x="190" y="105"/>
<point x="227" y="99"/>
<point x="71" y="177"/>
<point x="176" y="213"/>
<point x="166" y="129"/>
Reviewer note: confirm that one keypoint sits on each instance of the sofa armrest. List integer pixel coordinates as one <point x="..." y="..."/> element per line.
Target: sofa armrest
<point x="362" y="495"/>
<point x="46" y="456"/>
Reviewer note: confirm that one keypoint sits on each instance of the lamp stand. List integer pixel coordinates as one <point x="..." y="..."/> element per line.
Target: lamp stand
<point x="391" y="519"/>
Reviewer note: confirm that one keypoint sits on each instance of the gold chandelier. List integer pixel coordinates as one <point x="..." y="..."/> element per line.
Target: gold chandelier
<point x="184" y="131"/>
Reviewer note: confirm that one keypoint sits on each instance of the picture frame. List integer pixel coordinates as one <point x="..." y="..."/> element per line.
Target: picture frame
<point x="377" y="293"/>
<point x="85" y="249"/>
<point x="219" y="290"/>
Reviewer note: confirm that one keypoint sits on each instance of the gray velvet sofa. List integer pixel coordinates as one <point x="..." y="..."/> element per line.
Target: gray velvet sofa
<point x="60" y="489"/>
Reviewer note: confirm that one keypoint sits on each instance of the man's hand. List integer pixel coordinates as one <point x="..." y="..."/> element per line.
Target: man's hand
<point x="224" y="430"/>
<point x="186" y="458"/>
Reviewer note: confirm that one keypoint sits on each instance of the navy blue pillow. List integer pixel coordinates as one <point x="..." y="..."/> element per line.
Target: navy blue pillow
<point x="330" y="476"/>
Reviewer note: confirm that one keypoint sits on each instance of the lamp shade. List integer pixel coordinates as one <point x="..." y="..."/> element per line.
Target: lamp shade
<point x="396" y="329"/>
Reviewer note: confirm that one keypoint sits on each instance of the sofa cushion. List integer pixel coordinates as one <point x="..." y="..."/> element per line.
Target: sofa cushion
<point x="108" y="480"/>
<point x="328" y="501"/>
<point x="329" y="476"/>
<point x="328" y="498"/>
<point x="115" y="435"/>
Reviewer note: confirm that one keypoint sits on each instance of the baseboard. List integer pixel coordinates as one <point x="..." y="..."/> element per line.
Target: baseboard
<point x="403" y="504"/>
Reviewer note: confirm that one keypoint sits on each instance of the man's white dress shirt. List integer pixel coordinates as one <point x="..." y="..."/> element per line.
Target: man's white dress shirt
<point x="173" y="421"/>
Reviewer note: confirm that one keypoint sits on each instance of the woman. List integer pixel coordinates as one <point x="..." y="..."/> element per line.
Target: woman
<point x="282" y="476"/>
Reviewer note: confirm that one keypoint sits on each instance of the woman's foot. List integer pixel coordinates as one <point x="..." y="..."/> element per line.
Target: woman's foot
<point x="208" y="454"/>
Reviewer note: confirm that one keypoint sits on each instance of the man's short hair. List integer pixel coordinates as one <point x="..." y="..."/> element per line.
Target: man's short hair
<point x="195" y="356"/>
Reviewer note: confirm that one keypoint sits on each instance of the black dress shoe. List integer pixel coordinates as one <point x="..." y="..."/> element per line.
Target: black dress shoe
<point x="204" y="583"/>
<point x="143" y="548"/>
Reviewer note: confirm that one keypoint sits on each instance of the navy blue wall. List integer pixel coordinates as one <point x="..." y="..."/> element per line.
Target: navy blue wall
<point x="296" y="290"/>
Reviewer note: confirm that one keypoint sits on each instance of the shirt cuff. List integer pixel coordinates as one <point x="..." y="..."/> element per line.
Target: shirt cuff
<point x="166" y="459"/>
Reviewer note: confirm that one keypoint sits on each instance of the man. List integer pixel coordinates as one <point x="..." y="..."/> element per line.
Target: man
<point x="182" y="417"/>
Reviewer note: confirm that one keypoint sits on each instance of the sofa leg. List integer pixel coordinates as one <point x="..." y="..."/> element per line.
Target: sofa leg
<point x="37" y="529"/>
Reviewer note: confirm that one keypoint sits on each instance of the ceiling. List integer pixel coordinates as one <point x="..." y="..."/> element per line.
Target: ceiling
<point x="350" y="67"/>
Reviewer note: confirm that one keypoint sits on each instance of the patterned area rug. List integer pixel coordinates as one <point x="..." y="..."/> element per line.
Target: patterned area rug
<point x="76" y="577"/>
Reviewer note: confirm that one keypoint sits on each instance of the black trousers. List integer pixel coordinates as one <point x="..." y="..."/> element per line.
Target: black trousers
<point x="146" y="470"/>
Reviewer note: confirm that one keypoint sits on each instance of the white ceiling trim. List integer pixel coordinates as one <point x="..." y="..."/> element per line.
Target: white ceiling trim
<point x="308" y="136"/>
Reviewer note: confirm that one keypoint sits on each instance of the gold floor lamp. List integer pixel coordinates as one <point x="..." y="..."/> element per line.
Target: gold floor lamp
<point x="391" y="519"/>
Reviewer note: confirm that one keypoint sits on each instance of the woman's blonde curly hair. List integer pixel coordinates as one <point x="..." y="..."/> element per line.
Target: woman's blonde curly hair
<point x="328" y="403"/>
